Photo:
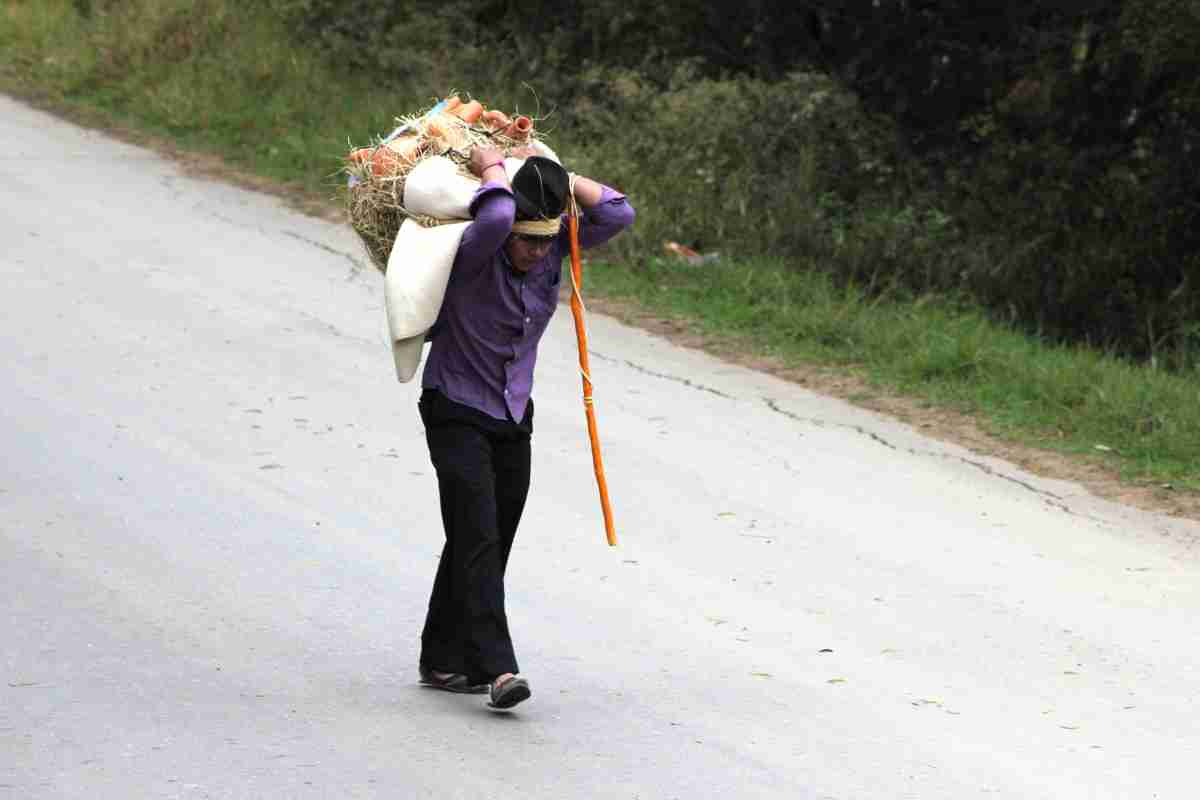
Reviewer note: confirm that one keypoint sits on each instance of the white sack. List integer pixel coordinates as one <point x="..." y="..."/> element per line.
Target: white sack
<point x="418" y="269"/>
<point x="414" y="287"/>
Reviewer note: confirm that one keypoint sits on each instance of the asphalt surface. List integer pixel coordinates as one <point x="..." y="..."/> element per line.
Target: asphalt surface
<point x="218" y="529"/>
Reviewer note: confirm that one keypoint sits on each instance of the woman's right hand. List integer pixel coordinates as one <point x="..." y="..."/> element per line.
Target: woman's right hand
<point x="483" y="158"/>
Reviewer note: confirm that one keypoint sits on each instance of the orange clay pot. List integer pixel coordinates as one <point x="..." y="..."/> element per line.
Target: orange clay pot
<point x="520" y="129"/>
<point x="436" y="128"/>
<point x="392" y="157"/>
<point x="446" y="131"/>
<point x="495" y="120"/>
<point x="468" y="112"/>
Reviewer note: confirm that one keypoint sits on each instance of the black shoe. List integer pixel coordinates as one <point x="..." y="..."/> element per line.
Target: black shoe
<point x="452" y="682"/>
<point x="508" y="694"/>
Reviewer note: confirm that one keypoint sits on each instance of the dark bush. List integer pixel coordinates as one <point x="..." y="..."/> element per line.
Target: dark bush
<point x="1042" y="157"/>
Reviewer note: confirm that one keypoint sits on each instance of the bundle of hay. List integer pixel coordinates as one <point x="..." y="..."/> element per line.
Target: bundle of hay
<point x="376" y="174"/>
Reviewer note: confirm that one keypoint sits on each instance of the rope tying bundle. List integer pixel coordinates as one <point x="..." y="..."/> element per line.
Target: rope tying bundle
<point x="426" y="221"/>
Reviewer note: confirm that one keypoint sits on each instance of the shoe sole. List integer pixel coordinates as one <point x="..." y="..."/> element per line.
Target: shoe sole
<point x="457" y="687"/>
<point x="479" y="688"/>
<point x="510" y="697"/>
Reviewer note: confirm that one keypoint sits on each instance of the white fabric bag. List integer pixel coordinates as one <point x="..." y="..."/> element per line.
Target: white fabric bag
<point x="419" y="267"/>
<point x="414" y="287"/>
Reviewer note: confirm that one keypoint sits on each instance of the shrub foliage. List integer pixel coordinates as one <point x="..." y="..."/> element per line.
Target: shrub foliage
<point x="1042" y="158"/>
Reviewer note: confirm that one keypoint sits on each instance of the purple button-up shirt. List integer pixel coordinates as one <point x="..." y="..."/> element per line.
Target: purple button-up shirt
<point x="486" y="336"/>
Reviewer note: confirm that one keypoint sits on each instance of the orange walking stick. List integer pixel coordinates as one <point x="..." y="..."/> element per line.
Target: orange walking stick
<point x="581" y="338"/>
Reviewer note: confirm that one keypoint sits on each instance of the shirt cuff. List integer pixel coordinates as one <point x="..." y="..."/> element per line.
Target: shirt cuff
<point x="608" y="194"/>
<point x="488" y="188"/>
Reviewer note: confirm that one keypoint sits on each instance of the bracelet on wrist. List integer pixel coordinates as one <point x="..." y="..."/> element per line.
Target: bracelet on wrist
<point x="489" y="166"/>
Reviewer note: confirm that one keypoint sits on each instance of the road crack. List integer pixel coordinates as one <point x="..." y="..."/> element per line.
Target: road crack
<point x="1050" y="498"/>
<point x="990" y="471"/>
<point x="356" y="264"/>
<point x="819" y="423"/>
<point x="675" y="378"/>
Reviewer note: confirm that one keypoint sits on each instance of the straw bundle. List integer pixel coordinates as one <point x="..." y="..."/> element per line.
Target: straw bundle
<point x="376" y="174"/>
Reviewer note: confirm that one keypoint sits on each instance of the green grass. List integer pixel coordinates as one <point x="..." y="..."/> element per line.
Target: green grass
<point x="173" y="68"/>
<point x="1067" y="399"/>
<point x="216" y="79"/>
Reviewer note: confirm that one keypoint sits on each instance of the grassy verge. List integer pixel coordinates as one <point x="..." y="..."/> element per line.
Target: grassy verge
<point x="202" y="75"/>
<point x="232" y="85"/>
<point x="1142" y="423"/>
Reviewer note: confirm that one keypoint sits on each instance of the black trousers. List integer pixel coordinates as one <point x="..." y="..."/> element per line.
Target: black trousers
<point x="482" y="468"/>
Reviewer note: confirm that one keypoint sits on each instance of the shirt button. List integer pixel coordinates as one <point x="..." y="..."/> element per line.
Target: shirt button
<point x="506" y="392"/>
<point x="528" y="320"/>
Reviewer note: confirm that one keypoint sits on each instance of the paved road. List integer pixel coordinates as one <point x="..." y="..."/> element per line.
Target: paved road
<point x="218" y="529"/>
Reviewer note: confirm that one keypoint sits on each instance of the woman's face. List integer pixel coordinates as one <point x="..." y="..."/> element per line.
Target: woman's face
<point x="525" y="251"/>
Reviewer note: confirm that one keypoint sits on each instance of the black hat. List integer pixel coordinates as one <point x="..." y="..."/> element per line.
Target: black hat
<point x="541" y="187"/>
